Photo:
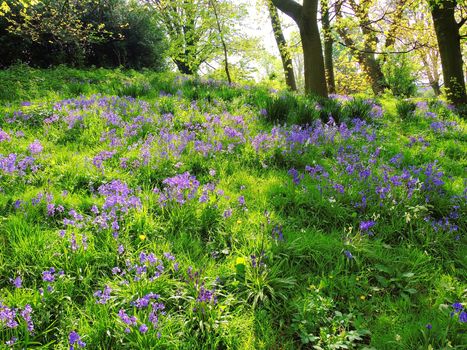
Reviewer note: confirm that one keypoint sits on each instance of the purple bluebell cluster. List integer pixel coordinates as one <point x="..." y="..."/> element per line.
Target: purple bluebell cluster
<point x="17" y="164"/>
<point x="4" y="136"/>
<point x="75" y="341"/>
<point x="458" y="309"/>
<point x="35" y="147"/>
<point x="103" y="296"/>
<point x="11" y="317"/>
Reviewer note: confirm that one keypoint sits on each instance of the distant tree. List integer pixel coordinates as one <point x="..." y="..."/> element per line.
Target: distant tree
<point x="361" y="39"/>
<point x="418" y="26"/>
<point x="55" y="22"/>
<point x="191" y="31"/>
<point x="221" y="30"/>
<point x="284" y="51"/>
<point x="328" y="46"/>
<point x="106" y="33"/>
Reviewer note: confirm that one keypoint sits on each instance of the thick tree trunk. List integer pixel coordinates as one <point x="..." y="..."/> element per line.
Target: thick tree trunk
<point x="282" y="46"/>
<point x="183" y="67"/>
<point x="373" y="70"/>
<point x="447" y="34"/>
<point x="306" y="18"/>
<point x="328" y="43"/>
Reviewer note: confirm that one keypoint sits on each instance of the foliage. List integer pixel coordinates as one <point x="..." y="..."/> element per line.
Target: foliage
<point x="104" y="33"/>
<point x="318" y="324"/>
<point x="406" y="109"/>
<point x="399" y="74"/>
<point x="177" y="217"/>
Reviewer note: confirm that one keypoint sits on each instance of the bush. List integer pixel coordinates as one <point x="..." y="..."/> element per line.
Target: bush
<point x="132" y="39"/>
<point x="406" y="109"/>
<point x="329" y="108"/>
<point x="358" y="108"/>
<point x="400" y="75"/>
<point x="279" y="108"/>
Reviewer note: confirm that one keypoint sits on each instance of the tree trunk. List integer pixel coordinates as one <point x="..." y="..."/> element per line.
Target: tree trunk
<point x="328" y="43"/>
<point x="373" y="70"/>
<point x="447" y="34"/>
<point x="436" y="88"/>
<point x="282" y="46"/>
<point x="306" y="18"/>
<point x="366" y="57"/>
<point x="224" y="45"/>
<point x="183" y="67"/>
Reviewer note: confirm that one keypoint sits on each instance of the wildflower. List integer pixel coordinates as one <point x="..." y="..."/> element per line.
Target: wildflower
<point x="4" y="136"/>
<point x="74" y="339"/>
<point x="17" y="282"/>
<point x="253" y="261"/>
<point x="11" y="342"/>
<point x="130" y="321"/>
<point x="143" y="328"/>
<point x="457" y="307"/>
<point x="277" y="233"/>
<point x="429" y="326"/>
<point x="366" y="225"/>
<point x="348" y="254"/>
<point x="35" y="147"/>
<point x="103" y="296"/>
<point x="48" y="275"/>
<point x="295" y="175"/>
<point x="206" y="295"/>
<point x="463" y="317"/>
<point x="26" y="314"/>
<point x="121" y="249"/>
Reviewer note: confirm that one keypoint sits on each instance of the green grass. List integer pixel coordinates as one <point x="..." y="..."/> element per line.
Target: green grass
<point x="274" y="253"/>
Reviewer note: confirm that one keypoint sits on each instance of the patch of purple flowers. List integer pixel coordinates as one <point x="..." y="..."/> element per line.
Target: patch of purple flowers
<point x="75" y="341"/>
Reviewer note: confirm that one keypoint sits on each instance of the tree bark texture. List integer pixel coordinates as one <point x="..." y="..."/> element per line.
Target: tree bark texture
<point x="306" y="18"/>
<point x="449" y="43"/>
<point x="328" y="44"/>
<point x="282" y="46"/>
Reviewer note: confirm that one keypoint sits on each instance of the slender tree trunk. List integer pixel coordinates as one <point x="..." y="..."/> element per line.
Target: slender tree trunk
<point x="447" y="34"/>
<point x="328" y="43"/>
<point x="306" y="18"/>
<point x="224" y="45"/>
<point x="430" y="64"/>
<point x="436" y="88"/>
<point x="282" y="46"/>
<point x="366" y="57"/>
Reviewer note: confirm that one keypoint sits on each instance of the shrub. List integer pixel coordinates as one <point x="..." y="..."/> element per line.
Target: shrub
<point x="400" y="76"/>
<point x="406" y="109"/>
<point x="279" y="108"/>
<point x="357" y="108"/>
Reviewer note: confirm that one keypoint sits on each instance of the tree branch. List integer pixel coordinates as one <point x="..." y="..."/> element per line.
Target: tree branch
<point x="290" y="8"/>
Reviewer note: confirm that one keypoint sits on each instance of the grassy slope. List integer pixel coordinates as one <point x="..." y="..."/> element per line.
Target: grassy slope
<point x="303" y="290"/>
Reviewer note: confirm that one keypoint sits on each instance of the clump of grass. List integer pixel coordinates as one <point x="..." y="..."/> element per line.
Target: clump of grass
<point x="406" y="109"/>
